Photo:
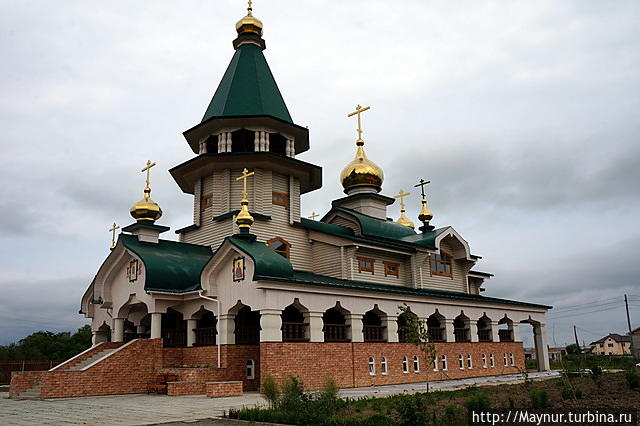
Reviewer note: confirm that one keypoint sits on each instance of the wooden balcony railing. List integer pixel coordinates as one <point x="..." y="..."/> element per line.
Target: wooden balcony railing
<point x="335" y="332"/>
<point x="294" y="332"/>
<point x="373" y="333"/>
<point x="205" y="336"/>
<point x="484" y="335"/>
<point x="461" y="334"/>
<point x="174" y="338"/>
<point x="247" y="335"/>
<point x="505" y="335"/>
<point x="436" y="334"/>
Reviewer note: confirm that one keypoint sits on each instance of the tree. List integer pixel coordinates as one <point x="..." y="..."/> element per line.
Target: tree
<point x="416" y="332"/>
<point x="573" y="349"/>
<point x="46" y="345"/>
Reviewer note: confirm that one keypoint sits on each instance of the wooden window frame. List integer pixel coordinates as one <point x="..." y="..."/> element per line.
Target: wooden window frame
<point x="286" y="244"/>
<point x="282" y="195"/>
<point x="448" y="261"/>
<point x="204" y="205"/>
<point x="366" y="259"/>
<point x="387" y="272"/>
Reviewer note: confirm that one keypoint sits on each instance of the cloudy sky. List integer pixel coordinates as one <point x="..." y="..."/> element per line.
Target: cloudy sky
<point x="524" y="115"/>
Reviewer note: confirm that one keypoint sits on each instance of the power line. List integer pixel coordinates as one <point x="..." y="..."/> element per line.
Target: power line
<point x="585" y="304"/>
<point x="593" y="305"/>
<point x="579" y="314"/>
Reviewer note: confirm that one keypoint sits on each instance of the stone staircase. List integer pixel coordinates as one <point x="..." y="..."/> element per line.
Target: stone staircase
<point x="82" y="364"/>
<point x="32" y="393"/>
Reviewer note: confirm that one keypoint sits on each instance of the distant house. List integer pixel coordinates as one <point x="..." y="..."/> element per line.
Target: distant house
<point x="555" y="354"/>
<point x="613" y="344"/>
<point x="635" y="338"/>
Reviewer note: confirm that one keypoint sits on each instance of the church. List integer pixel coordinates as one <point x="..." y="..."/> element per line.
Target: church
<point x="252" y="289"/>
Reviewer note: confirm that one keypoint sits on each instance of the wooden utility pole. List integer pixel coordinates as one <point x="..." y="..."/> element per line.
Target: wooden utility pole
<point x="575" y="334"/>
<point x="626" y="305"/>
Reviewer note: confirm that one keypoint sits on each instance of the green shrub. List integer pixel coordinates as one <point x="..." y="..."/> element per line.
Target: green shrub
<point x="478" y="403"/>
<point x="633" y="379"/>
<point x="270" y="390"/>
<point x="292" y="398"/>
<point x="377" y="420"/>
<point x="539" y="398"/>
<point x="411" y="410"/>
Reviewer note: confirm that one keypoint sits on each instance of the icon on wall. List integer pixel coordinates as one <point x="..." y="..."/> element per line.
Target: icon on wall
<point x="134" y="270"/>
<point x="238" y="269"/>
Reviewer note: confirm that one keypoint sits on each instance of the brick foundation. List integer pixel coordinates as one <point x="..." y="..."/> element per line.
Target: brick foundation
<point x="348" y="363"/>
<point x="219" y="389"/>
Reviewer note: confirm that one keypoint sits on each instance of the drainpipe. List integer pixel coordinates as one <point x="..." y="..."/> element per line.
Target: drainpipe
<point x="219" y="308"/>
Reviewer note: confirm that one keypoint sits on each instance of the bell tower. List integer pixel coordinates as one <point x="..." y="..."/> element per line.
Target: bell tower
<point x="246" y="125"/>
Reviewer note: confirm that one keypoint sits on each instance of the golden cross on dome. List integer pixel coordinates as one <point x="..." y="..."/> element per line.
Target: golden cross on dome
<point x="421" y="185"/>
<point x="313" y="215"/>
<point x="359" y="110"/>
<point x="113" y="230"/>
<point x="244" y="177"/>
<point x="250" y="8"/>
<point x="147" y="169"/>
<point x="401" y="195"/>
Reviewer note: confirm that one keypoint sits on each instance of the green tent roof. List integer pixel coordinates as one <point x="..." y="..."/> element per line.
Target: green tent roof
<point x="302" y="277"/>
<point x="248" y="88"/>
<point x="169" y="265"/>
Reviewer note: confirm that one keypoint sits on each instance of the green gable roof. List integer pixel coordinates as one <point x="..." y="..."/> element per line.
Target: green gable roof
<point x="302" y="277"/>
<point x="248" y="88"/>
<point x="169" y="265"/>
<point x="267" y="261"/>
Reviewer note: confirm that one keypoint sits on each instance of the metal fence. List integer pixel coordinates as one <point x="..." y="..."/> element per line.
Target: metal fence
<point x="6" y="367"/>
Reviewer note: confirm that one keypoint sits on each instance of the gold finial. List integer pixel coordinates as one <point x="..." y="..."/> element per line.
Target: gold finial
<point x="244" y="220"/>
<point x="359" y="110"/>
<point x="425" y="215"/>
<point x="403" y="220"/>
<point x="249" y="23"/>
<point x="113" y="230"/>
<point x="249" y="8"/>
<point x="313" y="216"/>
<point x="146" y="209"/>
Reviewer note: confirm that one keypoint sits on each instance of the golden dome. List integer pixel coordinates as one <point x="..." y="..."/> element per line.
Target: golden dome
<point x="405" y="221"/>
<point x="244" y="218"/>
<point x="146" y="209"/>
<point x="361" y="172"/>
<point x="425" y="214"/>
<point x="249" y="23"/>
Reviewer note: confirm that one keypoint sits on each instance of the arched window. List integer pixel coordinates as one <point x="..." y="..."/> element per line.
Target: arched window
<point x="251" y="369"/>
<point x="280" y="246"/>
<point x="504" y="358"/>
<point x="383" y="365"/>
<point x="469" y="361"/>
<point x="405" y="364"/>
<point x="372" y="366"/>
<point x="443" y="360"/>
<point x="511" y="358"/>
<point x="416" y="364"/>
<point x="461" y="362"/>
<point x="492" y="360"/>
<point x="484" y="360"/>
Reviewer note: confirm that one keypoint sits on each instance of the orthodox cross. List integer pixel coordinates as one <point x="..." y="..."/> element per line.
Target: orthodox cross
<point x="244" y="177"/>
<point x="421" y="185"/>
<point x="113" y="230"/>
<point x="313" y="215"/>
<point x="359" y="110"/>
<point x="250" y="8"/>
<point x="401" y="195"/>
<point x="147" y="169"/>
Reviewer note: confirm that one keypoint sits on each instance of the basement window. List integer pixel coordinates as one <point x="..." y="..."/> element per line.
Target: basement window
<point x="372" y="366"/>
<point x="441" y="264"/>
<point x="469" y="361"/>
<point x="251" y="368"/>
<point x="443" y="361"/>
<point x="383" y="365"/>
<point x="493" y="360"/>
<point x="511" y="358"/>
<point x="461" y="362"/>
<point x="484" y="360"/>
<point x="416" y="364"/>
<point x="405" y="364"/>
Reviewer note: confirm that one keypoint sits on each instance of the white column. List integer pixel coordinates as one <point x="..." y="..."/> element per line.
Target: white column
<point x="256" y="141"/>
<point x="98" y="337"/>
<point x="515" y="331"/>
<point x="355" y="321"/>
<point x="221" y="142"/>
<point x="191" y="334"/>
<point x="228" y="142"/>
<point x="203" y="147"/>
<point x="314" y="329"/>
<point x="226" y="327"/>
<point x="473" y="330"/>
<point x="448" y="330"/>
<point x="271" y="325"/>
<point x="156" y="325"/>
<point x="495" y="335"/>
<point x="542" y="352"/>
<point x="118" y="329"/>
<point x="266" y="141"/>
<point x="262" y="143"/>
<point x="391" y="332"/>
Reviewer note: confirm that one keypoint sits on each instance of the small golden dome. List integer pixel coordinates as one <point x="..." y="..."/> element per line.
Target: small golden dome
<point x="361" y="172"/>
<point x="425" y="214"/>
<point x="249" y="24"/>
<point x="244" y="218"/>
<point x="146" y="209"/>
<point x="405" y="221"/>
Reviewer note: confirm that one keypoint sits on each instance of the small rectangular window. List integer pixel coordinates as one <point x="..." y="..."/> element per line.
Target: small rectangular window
<point x="441" y="264"/>
<point x="280" y="199"/>
<point x="365" y="264"/>
<point x="206" y="201"/>
<point x="392" y="269"/>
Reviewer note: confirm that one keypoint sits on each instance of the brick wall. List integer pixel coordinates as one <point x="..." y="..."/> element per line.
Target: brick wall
<point x="218" y="389"/>
<point x="23" y="380"/>
<point x="185" y="388"/>
<point x="99" y="347"/>
<point x="348" y="363"/>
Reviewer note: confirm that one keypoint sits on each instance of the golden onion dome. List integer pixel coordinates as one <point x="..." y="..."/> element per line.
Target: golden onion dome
<point x="425" y="214"/>
<point x="146" y="209"/>
<point x="405" y="221"/>
<point x="361" y="172"/>
<point x="249" y="24"/>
